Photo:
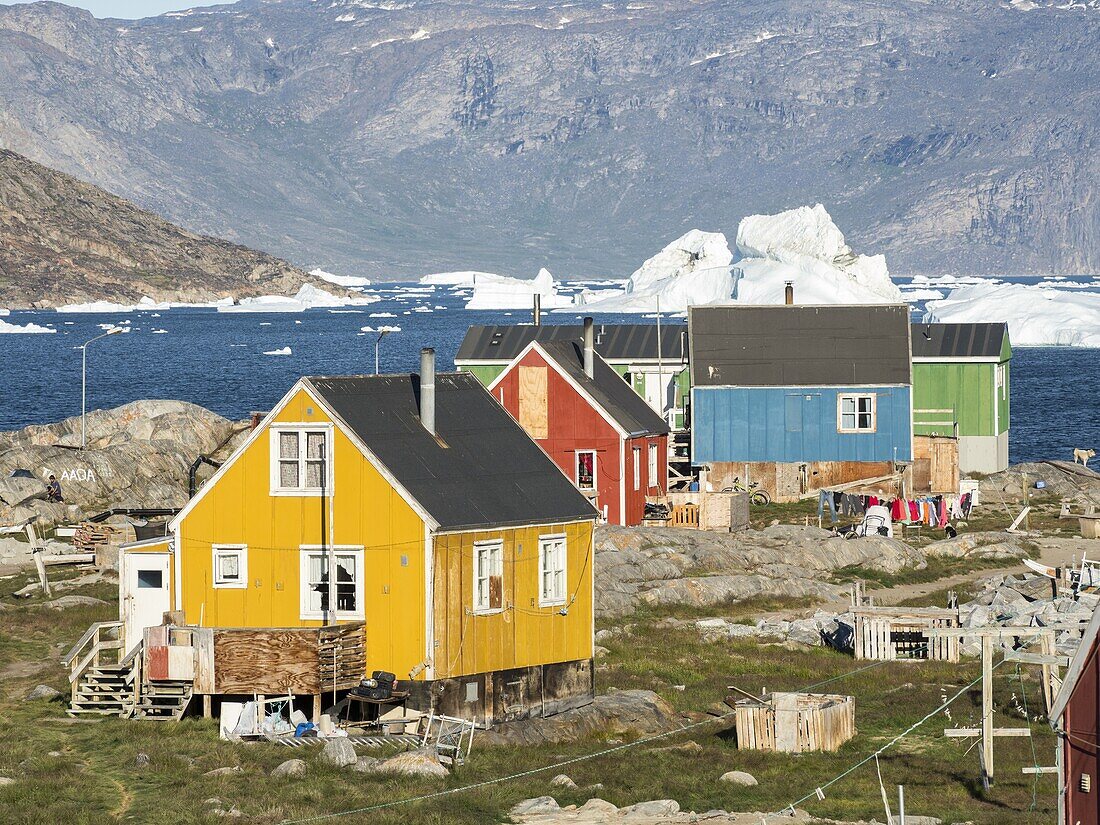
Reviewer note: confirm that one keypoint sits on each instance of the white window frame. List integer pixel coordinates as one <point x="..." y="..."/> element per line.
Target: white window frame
<point x="238" y="550"/>
<point x="654" y="459"/>
<point x="856" y="397"/>
<point x="557" y="598"/>
<point x="481" y="593"/>
<point x="636" y="455"/>
<point x="1002" y="381"/>
<point x="275" y="432"/>
<point x="577" y="471"/>
<point x="306" y="552"/>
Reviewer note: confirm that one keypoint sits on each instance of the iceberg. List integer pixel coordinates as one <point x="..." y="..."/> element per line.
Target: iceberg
<point x="307" y="297"/>
<point x="349" y="281"/>
<point x="805" y="247"/>
<point x="282" y="351"/>
<point x="24" y="329"/>
<point x="502" y="292"/>
<point x="466" y="278"/>
<point x="145" y="304"/>
<point x="800" y="245"/>
<point x="693" y="269"/>
<point x="380" y="329"/>
<point x="1038" y="315"/>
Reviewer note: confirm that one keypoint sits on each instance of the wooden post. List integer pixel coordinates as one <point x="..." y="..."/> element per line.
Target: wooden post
<point x="987" y="708"/>
<point x="207" y="706"/>
<point x="316" y="709"/>
<point x="1046" y="642"/>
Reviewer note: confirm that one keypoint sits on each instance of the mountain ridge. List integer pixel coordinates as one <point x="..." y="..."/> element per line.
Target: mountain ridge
<point x="393" y="139"/>
<point x="64" y="241"/>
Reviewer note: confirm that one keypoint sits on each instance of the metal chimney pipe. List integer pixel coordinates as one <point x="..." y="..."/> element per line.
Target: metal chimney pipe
<point x="589" y="347"/>
<point x="427" y="389"/>
<point x="537" y="312"/>
<point x="788" y="293"/>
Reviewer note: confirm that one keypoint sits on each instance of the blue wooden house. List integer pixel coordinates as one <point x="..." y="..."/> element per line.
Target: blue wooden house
<point x="799" y="398"/>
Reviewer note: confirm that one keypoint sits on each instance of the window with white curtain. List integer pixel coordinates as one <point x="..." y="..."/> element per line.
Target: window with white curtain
<point x="488" y="576"/>
<point x="301" y="459"/>
<point x="230" y="566"/>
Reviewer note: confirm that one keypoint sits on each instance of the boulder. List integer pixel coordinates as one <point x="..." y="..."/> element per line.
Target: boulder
<point x="141" y="760"/>
<point x="338" y="751"/>
<point x="613" y="714"/>
<point x="420" y="762"/>
<point x="66" y="602"/>
<point x="738" y="778"/>
<point x="43" y="692"/>
<point x="653" y="808"/>
<point x="563" y="781"/>
<point x="538" y="805"/>
<point x="599" y="807"/>
<point x="291" y="767"/>
<point x="224" y="771"/>
<point x="366" y="764"/>
<point x="6" y="780"/>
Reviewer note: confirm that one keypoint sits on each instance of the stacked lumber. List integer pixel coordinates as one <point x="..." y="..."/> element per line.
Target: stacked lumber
<point x="341" y="656"/>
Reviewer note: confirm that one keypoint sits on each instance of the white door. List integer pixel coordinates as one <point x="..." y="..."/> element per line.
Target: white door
<point x="658" y="392"/>
<point x="143" y="593"/>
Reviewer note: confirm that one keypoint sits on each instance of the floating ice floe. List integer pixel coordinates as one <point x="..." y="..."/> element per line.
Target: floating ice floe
<point x="24" y="329"/>
<point x="922" y="294"/>
<point x="502" y="292"/>
<point x="307" y="297"/>
<point x="350" y="281"/>
<point x="4" y="312"/>
<point x="381" y="315"/>
<point x="1037" y="315"/>
<point x="146" y="303"/>
<point x="159" y="332"/>
<point x="381" y="329"/>
<point x="282" y="351"/>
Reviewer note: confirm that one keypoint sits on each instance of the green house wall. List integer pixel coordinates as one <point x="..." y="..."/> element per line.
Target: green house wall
<point x="965" y="388"/>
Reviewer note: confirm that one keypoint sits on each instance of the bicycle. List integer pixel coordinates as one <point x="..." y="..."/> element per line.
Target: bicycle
<point x="757" y="496"/>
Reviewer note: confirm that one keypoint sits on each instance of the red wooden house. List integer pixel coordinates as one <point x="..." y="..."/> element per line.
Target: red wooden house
<point x="1075" y="716"/>
<point x="602" y="434"/>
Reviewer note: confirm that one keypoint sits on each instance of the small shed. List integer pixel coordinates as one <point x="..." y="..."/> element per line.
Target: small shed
<point x="901" y="633"/>
<point x="794" y="722"/>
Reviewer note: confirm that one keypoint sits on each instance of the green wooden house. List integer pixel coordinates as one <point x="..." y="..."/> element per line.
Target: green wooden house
<point x="658" y="374"/>
<point x="961" y="388"/>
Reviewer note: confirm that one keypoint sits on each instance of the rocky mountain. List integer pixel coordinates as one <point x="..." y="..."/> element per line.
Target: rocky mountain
<point x="395" y="137"/>
<point x="65" y="241"/>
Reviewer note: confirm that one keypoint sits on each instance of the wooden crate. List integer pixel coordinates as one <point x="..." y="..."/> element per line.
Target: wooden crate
<point x="900" y="634"/>
<point x="794" y="722"/>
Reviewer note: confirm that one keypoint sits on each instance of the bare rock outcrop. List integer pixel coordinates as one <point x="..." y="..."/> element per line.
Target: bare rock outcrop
<point x="666" y="566"/>
<point x="137" y="455"/>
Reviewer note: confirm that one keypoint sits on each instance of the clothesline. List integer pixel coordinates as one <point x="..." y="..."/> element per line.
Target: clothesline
<point x="935" y="511"/>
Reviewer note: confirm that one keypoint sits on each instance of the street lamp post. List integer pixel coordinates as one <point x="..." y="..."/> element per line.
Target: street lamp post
<point x="381" y="335"/>
<point x="84" y="381"/>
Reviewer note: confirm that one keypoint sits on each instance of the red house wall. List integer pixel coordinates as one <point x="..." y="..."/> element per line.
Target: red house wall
<point x="1079" y="749"/>
<point x="574" y="424"/>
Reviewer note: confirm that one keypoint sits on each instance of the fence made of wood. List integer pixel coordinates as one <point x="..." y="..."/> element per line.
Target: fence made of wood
<point x="794" y="722"/>
<point x="901" y="633"/>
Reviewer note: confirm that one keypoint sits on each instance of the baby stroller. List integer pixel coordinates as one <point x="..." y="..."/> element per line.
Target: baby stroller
<point x="876" y="522"/>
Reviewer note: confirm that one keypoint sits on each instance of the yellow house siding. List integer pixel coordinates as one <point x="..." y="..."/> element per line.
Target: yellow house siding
<point x="521" y="634"/>
<point x="366" y="511"/>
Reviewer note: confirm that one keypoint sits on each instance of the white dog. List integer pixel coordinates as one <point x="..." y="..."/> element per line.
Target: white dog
<point x="1083" y="456"/>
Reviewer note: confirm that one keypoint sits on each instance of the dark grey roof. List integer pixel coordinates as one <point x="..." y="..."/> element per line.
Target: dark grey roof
<point x="958" y="340"/>
<point x="607" y="388"/>
<point x="482" y="471"/>
<point x="615" y="342"/>
<point x="799" y="346"/>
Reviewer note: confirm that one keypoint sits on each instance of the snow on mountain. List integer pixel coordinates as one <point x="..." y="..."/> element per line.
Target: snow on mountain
<point x="502" y="292"/>
<point x="805" y="247"/>
<point x="1037" y="315"/>
<point x="693" y="269"/>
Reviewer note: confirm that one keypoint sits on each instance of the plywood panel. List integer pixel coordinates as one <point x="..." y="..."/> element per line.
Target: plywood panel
<point x="533" y="401"/>
<point x="266" y="661"/>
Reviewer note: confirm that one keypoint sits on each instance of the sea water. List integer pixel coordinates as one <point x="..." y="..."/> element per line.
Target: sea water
<point x="217" y="360"/>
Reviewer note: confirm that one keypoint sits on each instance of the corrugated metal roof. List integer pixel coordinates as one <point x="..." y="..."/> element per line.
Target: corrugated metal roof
<point x="482" y="471"/>
<point x="615" y="342"/>
<point x="799" y="346"/>
<point x="958" y="340"/>
<point x="607" y="388"/>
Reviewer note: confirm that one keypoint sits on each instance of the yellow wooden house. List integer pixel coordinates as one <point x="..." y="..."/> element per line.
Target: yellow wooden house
<point x="460" y="546"/>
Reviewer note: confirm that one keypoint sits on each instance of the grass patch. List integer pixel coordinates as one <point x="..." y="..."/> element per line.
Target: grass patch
<point x="937" y="568"/>
<point x="727" y="609"/>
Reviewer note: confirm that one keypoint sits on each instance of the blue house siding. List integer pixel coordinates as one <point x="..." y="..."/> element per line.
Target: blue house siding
<point x="795" y="424"/>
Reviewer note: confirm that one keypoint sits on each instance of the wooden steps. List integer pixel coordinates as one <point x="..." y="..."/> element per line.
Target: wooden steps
<point x="164" y="700"/>
<point x="105" y="690"/>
